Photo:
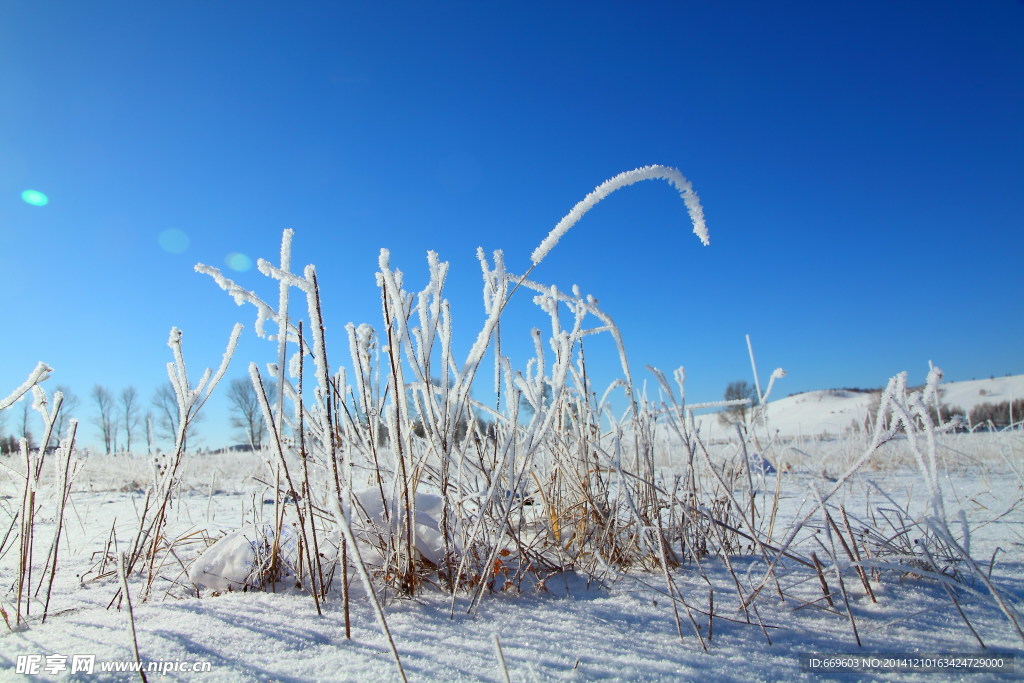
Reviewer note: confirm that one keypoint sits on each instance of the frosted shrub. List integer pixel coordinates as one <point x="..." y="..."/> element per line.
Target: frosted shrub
<point x="566" y="485"/>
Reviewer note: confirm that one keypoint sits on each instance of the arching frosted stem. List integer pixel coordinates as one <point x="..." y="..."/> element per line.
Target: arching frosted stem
<point x="667" y="173"/>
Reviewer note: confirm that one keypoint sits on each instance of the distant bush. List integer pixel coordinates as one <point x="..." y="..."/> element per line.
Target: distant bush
<point x="948" y="413"/>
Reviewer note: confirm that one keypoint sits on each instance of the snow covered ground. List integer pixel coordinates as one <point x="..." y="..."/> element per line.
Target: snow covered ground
<point x="570" y="629"/>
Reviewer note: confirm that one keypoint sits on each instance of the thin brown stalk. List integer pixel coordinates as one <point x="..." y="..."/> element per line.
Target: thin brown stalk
<point x="951" y="594"/>
<point x="131" y="613"/>
<point x="839" y="579"/>
<point x="761" y="624"/>
<point x="711" y="613"/>
<point x="855" y="556"/>
<point x="826" y="591"/>
<point x="671" y="589"/>
<point x="65" y="493"/>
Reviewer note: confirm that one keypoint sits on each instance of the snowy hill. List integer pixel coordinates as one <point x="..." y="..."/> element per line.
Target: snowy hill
<point x="977" y="391"/>
<point x="833" y="411"/>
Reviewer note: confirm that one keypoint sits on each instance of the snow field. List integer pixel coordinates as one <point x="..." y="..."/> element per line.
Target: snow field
<point x="568" y="631"/>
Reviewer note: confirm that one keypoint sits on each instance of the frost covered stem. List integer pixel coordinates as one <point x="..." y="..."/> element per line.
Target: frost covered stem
<point x="397" y="384"/>
<point x="357" y="560"/>
<point x="325" y="413"/>
<point x="261" y="397"/>
<point x="667" y="173"/>
<point x="501" y="657"/>
<point x="66" y="449"/>
<point x="41" y="372"/>
<point x="282" y="325"/>
<point x="123" y="576"/>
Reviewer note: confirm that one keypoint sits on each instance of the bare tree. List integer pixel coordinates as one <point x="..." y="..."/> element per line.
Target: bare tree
<point x="737" y="391"/>
<point x="66" y="412"/>
<point x="106" y="420"/>
<point x="246" y="414"/>
<point x="167" y="417"/>
<point x="129" y="414"/>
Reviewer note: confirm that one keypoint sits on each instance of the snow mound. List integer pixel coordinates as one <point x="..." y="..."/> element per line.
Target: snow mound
<point x="370" y="523"/>
<point x="244" y="559"/>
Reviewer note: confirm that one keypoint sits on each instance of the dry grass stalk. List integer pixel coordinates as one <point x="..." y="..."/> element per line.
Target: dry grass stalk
<point x="123" y="576"/>
<point x="826" y="591"/>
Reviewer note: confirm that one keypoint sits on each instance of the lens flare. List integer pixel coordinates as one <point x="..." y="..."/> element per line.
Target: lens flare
<point x="173" y="241"/>
<point x="35" y="198"/>
<point x="238" y="261"/>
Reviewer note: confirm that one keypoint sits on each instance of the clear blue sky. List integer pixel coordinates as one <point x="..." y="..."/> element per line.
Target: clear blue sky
<point x="861" y="165"/>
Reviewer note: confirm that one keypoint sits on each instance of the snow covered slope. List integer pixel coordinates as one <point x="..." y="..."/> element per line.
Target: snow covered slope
<point x="831" y="411"/>
<point x="834" y="411"/>
<point x="976" y="391"/>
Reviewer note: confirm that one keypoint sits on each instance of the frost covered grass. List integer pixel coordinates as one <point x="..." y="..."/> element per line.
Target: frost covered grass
<point x="387" y="487"/>
<point x="622" y="628"/>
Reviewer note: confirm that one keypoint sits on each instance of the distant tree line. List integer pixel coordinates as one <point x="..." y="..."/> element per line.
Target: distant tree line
<point x="124" y="422"/>
<point x="982" y="416"/>
<point x="997" y="415"/>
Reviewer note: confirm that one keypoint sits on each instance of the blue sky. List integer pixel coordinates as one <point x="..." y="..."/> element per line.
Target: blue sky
<point x="861" y="167"/>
